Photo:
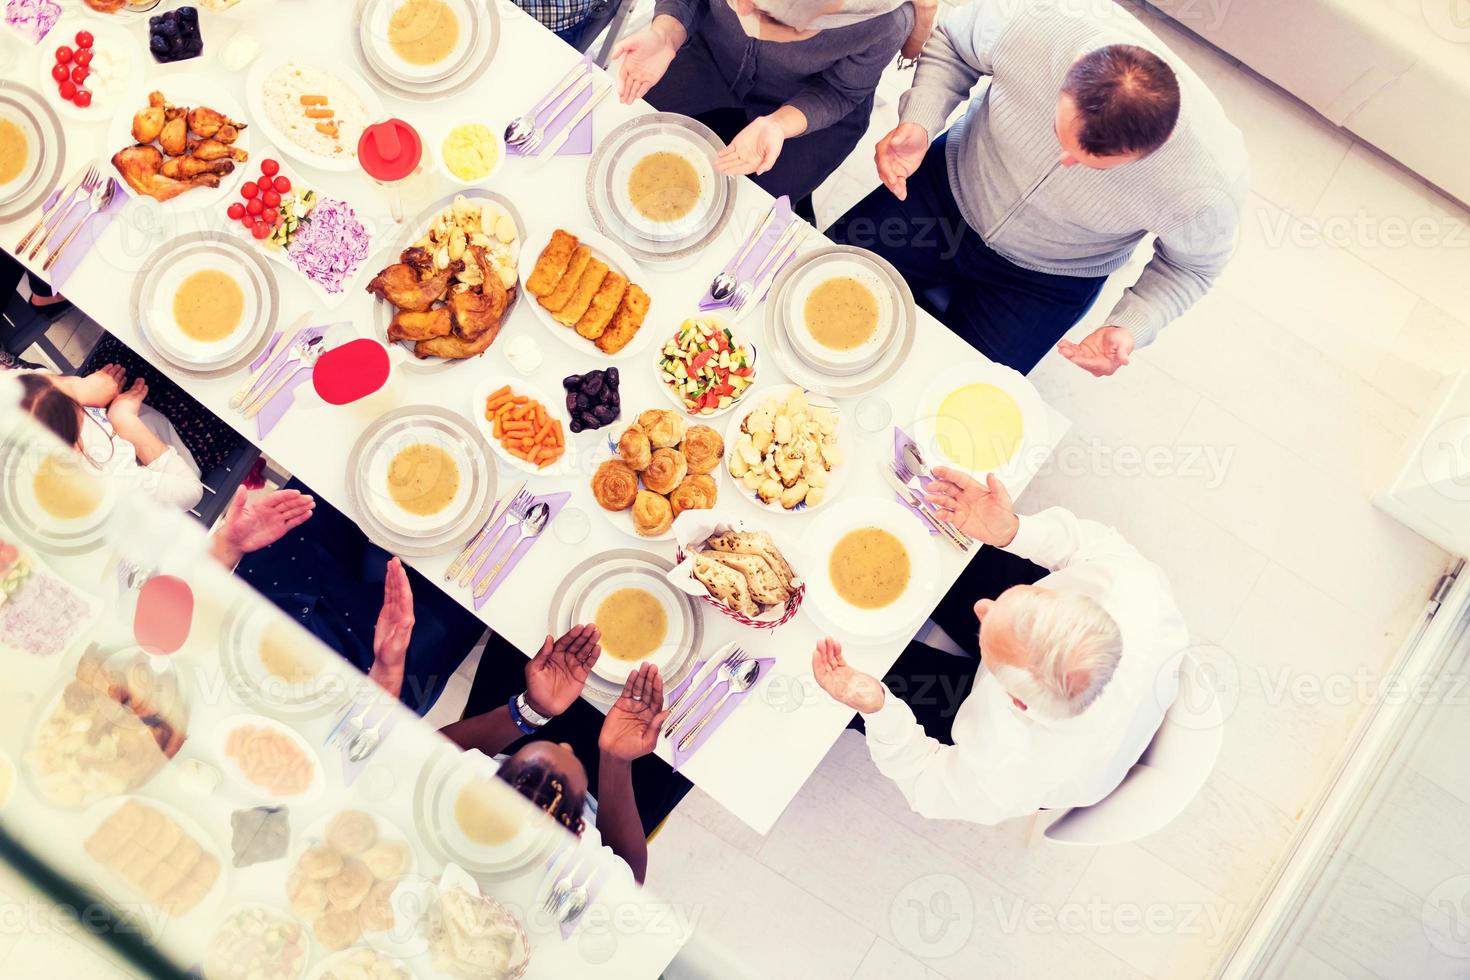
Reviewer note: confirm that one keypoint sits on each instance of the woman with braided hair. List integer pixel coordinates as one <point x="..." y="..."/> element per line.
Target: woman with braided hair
<point x="549" y="773"/>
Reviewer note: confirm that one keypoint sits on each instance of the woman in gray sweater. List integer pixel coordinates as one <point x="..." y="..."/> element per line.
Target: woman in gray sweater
<point x="788" y="84"/>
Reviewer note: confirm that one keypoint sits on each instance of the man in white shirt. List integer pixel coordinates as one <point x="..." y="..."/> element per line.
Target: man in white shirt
<point x="1078" y="671"/>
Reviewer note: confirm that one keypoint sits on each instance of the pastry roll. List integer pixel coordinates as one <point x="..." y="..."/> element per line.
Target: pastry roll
<point x="558" y="297"/>
<point x="634" y="448"/>
<point x="666" y="470"/>
<point x="587" y="288"/>
<point x="697" y="491"/>
<point x="625" y="321"/>
<point x="552" y="264"/>
<point x="702" y="447"/>
<point x="615" y="485"/>
<point x="652" y="514"/>
<point x="665" y="428"/>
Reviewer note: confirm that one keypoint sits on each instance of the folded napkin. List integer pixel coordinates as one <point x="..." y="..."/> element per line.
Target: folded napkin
<point x="92" y="227"/>
<point x="900" y="440"/>
<point x="554" y="501"/>
<point x="273" y="411"/>
<point x="751" y="264"/>
<point x="382" y="711"/>
<point x="580" y="142"/>
<point x="709" y="691"/>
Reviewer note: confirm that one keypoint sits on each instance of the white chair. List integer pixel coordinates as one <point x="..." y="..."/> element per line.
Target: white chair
<point x="1163" y="781"/>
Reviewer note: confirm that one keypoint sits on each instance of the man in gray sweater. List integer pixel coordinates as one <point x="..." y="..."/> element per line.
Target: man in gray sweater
<point x="1086" y="138"/>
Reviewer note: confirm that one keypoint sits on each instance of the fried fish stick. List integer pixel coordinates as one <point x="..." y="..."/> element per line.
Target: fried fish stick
<point x="625" y="321"/>
<point x="552" y="263"/>
<point x="558" y="297"/>
<point x="600" y="311"/>
<point x="587" y="287"/>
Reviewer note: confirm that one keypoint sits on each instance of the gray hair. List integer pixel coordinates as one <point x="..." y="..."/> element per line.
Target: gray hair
<point x="1073" y="648"/>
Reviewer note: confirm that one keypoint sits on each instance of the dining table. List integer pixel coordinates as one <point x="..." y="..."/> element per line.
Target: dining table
<point x="762" y="755"/>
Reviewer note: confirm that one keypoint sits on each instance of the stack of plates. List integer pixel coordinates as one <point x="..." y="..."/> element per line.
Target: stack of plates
<point x="243" y="652"/>
<point x="840" y="374"/>
<point x="479" y="36"/>
<point x="21" y="509"/>
<point x="402" y="531"/>
<point x="40" y="170"/>
<point x="166" y="269"/>
<point x="612" y="208"/>
<point x="577" y="599"/>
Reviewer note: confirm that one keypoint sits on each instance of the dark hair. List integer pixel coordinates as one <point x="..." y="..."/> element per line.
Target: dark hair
<point x="52" y="407"/>
<point x="546" y="788"/>
<point x="1128" y="99"/>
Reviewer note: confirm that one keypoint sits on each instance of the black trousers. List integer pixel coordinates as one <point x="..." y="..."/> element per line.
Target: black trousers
<point x="934" y="683"/>
<point x="1011" y="315"/>
<point x="502" y="675"/>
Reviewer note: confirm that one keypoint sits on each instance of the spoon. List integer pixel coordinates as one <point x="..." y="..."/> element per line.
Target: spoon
<point x="523" y="127"/>
<point x="913" y="462"/>
<point x="740" y="679"/>
<point x="574" y="902"/>
<point x="724" y="283"/>
<point x="533" y="524"/>
<point x="365" y="742"/>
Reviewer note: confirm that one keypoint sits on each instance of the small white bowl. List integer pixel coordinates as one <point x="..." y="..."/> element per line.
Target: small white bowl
<point x="441" y="136"/>
<point x="376" y="28"/>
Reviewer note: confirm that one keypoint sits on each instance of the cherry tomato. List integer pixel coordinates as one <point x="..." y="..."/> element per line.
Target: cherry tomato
<point x="282" y="185"/>
<point x="84" y="39"/>
<point x="248" y="220"/>
<point x="82" y="99"/>
<point x="260" y="229"/>
<point x="271" y="199"/>
<point x="79" y="73"/>
<point x="59" y="72"/>
<point x="63" y="55"/>
<point x="254" y="206"/>
<point x="83" y="57"/>
<point x="276" y="218"/>
<point x="270" y="167"/>
<point x="236" y="211"/>
<point x="248" y="189"/>
<point x="68" y="90"/>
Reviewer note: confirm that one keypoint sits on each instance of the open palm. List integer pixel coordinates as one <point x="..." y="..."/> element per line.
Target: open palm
<point x="556" y="675"/>
<point x="253" y="524"/>
<point x="854" y="688"/>
<point x="631" y="728"/>
<point x="981" y="510"/>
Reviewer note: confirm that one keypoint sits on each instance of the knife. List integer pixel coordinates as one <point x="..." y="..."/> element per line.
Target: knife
<point x="283" y="342"/>
<point x="713" y="663"/>
<point x="911" y="496"/>
<point x="63" y="200"/>
<point x="501" y="506"/>
<point x="551" y="149"/>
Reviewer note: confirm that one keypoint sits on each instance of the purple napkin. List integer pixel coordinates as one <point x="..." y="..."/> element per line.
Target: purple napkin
<point x="900" y="440"/>
<point x="381" y="711"/>
<point x="577" y="144"/>
<point x="92" y="228"/>
<point x="714" y="688"/>
<point x="593" y="882"/>
<point x="273" y="410"/>
<point x="751" y="264"/>
<point x="554" y="501"/>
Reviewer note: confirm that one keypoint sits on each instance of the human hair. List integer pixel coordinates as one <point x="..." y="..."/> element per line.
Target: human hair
<point x="1127" y="98"/>
<point x="545" y="787"/>
<point x="51" y="406"/>
<point x="1073" y="647"/>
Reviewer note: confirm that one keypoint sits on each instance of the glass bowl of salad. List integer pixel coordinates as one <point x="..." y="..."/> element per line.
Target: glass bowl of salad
<point x="704" y="368"/>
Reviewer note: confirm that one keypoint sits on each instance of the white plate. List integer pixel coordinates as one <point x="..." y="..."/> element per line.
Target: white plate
<point x="535" y="828"/>
<point x="340" y="959"/>
<point x="688" y="147"/>
<point x="754" y="399"/>
<point x="29" y="503"/>
<point x="324" y="687"/>
<point x="674" y="603"/>
<point x="623" y="519"/>
<point x="440" y="134"/>
<point x="177" y="345"/>
<point x="259" y="969"/>
<point x="220" y="739"/>
<point x="931" y="432"/>
<point x="191" y="91"/>
<point x="316" y="834"/>
<point x="108" y="37"/>
<point x="618" y="260"/>
<point x="695" y="418"/>
<point x="266" y="66"/>
<point x="376" y="481"/>
<point x="34" y="143"/>
<point x="555" y="409"/>
<point x="901" y="617"/>
<point x="375" y="28"/>
<point x="800" y="288"/>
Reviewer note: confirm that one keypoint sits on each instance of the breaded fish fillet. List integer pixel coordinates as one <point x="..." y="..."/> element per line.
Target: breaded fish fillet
<point x="625" y="321"/>
<point x="558" y="297"/>
<point x="587" y="287"/>
<point x="600" y="311"/>
<point x="553" y="263"/>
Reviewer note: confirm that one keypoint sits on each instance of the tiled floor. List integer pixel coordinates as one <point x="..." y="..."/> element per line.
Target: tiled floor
<point x="1280" y="402"/>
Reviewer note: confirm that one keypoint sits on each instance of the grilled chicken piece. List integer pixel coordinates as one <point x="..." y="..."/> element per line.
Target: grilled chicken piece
<point x="454" y="347"/>
<point x="174" y="138"/>
<point x="400" y="285"/>
<point x="478" y="310"/>
<point x="142" y="168"/>
<point x="183" y="168"/>
<point x="208" y="123"/>
<point x="148" y="123"/>
<point x="409" y="325"/>
<point x="215" y="150"/>
<point x="420" y="259"/>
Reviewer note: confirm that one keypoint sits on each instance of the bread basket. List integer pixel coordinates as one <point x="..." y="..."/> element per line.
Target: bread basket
<point x="691" y="530"/>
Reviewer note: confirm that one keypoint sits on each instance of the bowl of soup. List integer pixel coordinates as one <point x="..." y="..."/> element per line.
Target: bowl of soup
<point x="839" y="315"/>
<point x="421" y="40"/>
<point x="879" y="576"/>
<point x="20" y="152"/>
<point x="419" y="481"/>
<point x="62" y="491"/>
<point x="643" y="618"/>
<point x="202" y="308"/>
<point x="664" y="186"/>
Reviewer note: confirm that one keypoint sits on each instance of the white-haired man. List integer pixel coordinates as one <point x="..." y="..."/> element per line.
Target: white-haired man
<point x="1080" y="663"/>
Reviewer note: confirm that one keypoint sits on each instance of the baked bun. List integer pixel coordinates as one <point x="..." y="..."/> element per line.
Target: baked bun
<point x="376" y="913"/>
<point x="697" y="492"/>
<point x="665" y="428"/>
<point x="703" y="447"/>
<point x="666" y="470"/>
<point x="725" y="585"/>
<point x="350" y="886"/>
<point x="615" y="485"/>
<point x="652" y="514"/>
<point x="337" y="930"/>
<point x="320" y="863"/>
<point x="352" y="832"/>
<point x="634" y="448"/>
<point x="386" y="859"/>
<point x="308" y="896"/>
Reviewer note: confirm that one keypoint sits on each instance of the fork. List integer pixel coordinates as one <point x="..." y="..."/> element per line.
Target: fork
<point x="308" y="349"/>
<point x="561" y="889"/>
<point x="65" y="199"/>
<point x="520" y="506"/>
<point x="83" y="190"/>
<point x="785" y="248"/>
<point x="950" y="532"/>
<point x="100" y="200"/>
<point x="732" y="663"/>
<point x="533" y="142"/>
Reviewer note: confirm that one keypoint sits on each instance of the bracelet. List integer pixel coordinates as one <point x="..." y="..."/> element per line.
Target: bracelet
<point x="529" y="713"/>
<point x="515" y="715"/>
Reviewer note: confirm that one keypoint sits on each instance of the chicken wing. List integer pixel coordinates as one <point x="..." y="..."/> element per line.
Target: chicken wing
<point x="477" y="311"/>
<point x="400" y="285"/>
<point x="215" y="150"/>
<point x="208" y="123"/>
<point x="141" y="167"/>
<point x="419" y="259"/>
<point x="174" y="138"/>
<point x="410" y="325"/>
<point x="182" y="168"/>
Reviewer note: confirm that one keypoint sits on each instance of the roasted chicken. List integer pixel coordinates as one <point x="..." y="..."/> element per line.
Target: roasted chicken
<point x="183" y="168"/>
<point x="142" y="168"/>
<point x="400" y="285"/>
<point x="208" y="123"/>
<point x="178" y="163"/>
<point x="148" y="123"/>
<point x="174" y="137"/>
<point x="215" y="150"/>
<point x="478" y="310"/>
<point x="411" y="325"/>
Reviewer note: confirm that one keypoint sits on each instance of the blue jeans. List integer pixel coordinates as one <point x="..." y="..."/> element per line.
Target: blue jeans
<point x="1011" y="315"/>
